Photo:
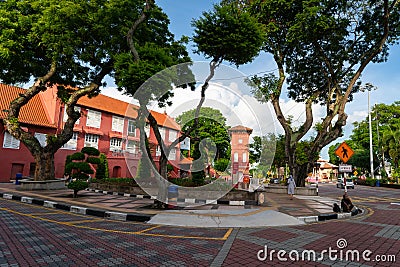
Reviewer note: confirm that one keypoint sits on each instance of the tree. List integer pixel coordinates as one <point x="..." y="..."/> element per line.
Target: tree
<point x="68" y="44"/>
<point x="320" y="49"/>
<point x="79" y="165"/>
<point x="212" y="125"/>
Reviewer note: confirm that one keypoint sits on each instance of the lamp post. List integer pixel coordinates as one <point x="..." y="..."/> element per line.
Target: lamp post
<point x="369" y="87"/>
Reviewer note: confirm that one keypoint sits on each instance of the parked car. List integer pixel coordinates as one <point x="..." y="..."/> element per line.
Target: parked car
<point x="349" y="183"/>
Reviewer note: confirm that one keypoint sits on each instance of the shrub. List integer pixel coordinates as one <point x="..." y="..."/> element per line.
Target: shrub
<point x="93" y="160"/>
<point x="82" y="167"/>
<point x="91" y="151"/>
<point x="102" y="167"/>
<point x="80" y="176"/>
<point x="78" y="156"/>
<point x="77" y="186"/>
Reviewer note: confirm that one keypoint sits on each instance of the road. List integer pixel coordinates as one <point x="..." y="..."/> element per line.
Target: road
<point x="36" y="236"/>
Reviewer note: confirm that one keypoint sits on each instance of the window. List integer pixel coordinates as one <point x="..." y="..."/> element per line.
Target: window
<point x="240" y="141"/>
<point x="117" y="124"/>
<point x="172" y="135"/>
<point x="158" y="151"/>
<point x="92" y="140"/>
<point x="93" y="119"/>
<point x="131" y="146"/>
<point x="147" y="130"/>
<point x="131" y="128"/>
<point x="71" y="144"/>
<point x="10" y="141"/>
<point x="244" y="157"/>
<point x="66" y="115"/>
<point x="115" y="144"/>
<point x="41" y="138"/>
<point x="162" y="132"/>
<point x="172" y="154"/>
<point x="235" y="157"/>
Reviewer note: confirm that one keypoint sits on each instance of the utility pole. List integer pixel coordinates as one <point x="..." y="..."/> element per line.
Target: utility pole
<point x="369" y="87"/>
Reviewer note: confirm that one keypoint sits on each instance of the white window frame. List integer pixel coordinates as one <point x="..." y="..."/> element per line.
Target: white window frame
<point x="66" y="115"/>
<point x="162" y="132"/>
<point x="240" y="141"/>
<point x="115" y="144"/>
<point x="158" y="151"/>
<point x="41" y="137"/>
<point x="10" y="141"/>
<point x="147" y="130"/>
<point x="92" y="140"/>
<point x="117" y="124"/>
<point x="244" y="157"/>
<point x="72" y="143"/>
<point x="172" y="154"/>
<point x="172" y="135"/>
<point x="131" y="146"/>
<point x="93" y="118"/>
<point x="130" y="131"/>
<point x="235" y="157"/>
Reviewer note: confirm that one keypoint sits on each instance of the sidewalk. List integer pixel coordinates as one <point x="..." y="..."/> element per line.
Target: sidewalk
<point x="279" y="211"/>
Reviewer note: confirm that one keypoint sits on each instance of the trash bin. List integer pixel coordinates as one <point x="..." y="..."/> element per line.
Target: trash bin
<point x="18" y="177"/>
<point x="172" y="196"/>
<point x="377" y="183"/>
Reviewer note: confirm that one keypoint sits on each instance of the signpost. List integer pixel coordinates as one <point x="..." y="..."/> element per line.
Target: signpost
<point x="344" y="152"/>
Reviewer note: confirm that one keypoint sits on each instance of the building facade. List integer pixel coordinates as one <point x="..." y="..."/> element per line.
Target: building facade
<point x="106" y="123"/>
<point x="240" y="139"/>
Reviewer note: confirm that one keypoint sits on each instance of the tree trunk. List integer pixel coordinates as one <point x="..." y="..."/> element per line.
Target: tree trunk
<point x="44" y="166"/>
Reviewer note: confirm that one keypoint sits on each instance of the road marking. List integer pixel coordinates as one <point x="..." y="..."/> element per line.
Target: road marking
<point x="141" y="232"/>
<point x="394" y="203"/>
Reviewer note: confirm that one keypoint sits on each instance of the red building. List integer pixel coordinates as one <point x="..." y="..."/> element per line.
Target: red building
<point x="240" y="139"/>
<point x="106" y="123"/>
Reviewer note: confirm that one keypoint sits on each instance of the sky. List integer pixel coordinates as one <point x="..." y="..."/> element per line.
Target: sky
<point x="242" y="107"/>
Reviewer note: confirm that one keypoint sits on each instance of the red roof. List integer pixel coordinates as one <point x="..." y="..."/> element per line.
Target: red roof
<point x="32" y="113"/>
<point x="240" y="128"/>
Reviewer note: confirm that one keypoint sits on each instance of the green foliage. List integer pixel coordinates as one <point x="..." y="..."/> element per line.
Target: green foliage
<point x="221" y="164"/>
<point x="198" y="174"/>
<point x="80" y="176"/>
<point x="82" y="167"/>
<point x="102" y="168"/>
<point x="77" y="186"/>
<point x="144" y="168"/>
<point x="67" y="170"/>
<point x="92" y="151"/>
<point x="212" y="125"/>
<point x="77" y="156"/>
<point x="93" y="160"/>
<point x="227" y="33"/>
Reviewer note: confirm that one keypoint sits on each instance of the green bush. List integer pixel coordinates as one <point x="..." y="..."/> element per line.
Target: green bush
<point x="91" y="151"/>
<point x="102" y="167"/>
<point x="68" y="168"/>
<point x="93" y="160"/>
<point x="77" y="186"/>
<point x="82" y="167"/>
<point x="80" y="176"/>
<point x="370" y="181"/>
<point x="78" y="156"/>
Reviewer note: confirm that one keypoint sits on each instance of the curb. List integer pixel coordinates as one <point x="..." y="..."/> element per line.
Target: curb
<point x="329" y="216"/>
<point x="138" y="217"/>
<point x="182" y="200"/>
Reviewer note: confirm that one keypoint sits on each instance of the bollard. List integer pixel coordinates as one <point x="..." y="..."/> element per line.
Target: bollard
<point x="172" y="196"/>
<point x="18" y="177"/>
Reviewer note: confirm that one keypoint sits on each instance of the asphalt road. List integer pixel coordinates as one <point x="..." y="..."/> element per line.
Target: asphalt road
<point x="36" y="236"/>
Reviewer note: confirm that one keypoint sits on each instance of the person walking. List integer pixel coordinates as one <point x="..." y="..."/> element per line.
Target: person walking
<point x="291" y="185"/>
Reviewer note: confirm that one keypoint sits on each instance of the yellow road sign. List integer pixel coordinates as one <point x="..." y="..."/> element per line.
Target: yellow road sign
<point x="344" y="152"/>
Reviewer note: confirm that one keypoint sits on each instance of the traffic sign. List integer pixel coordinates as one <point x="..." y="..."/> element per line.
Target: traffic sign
<point x="345" y="168"/>
<point x="355" y="173"/>
<point x="344" y="152"/>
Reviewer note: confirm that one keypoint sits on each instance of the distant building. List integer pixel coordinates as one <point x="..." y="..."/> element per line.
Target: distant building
<point x="240" y="138"/>
<point x="106" y="124"/>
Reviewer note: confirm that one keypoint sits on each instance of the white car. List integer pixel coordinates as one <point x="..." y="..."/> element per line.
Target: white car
<point x="349" y="183"/>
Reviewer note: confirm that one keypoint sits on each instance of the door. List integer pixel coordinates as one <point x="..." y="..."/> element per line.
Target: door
<point x="16" y="168"/>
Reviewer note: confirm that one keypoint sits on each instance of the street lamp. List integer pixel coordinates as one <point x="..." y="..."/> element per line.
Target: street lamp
<point x="369" y="87"/>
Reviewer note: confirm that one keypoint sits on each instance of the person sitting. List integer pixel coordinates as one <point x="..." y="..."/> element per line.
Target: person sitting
<point x="346" y="203"/>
